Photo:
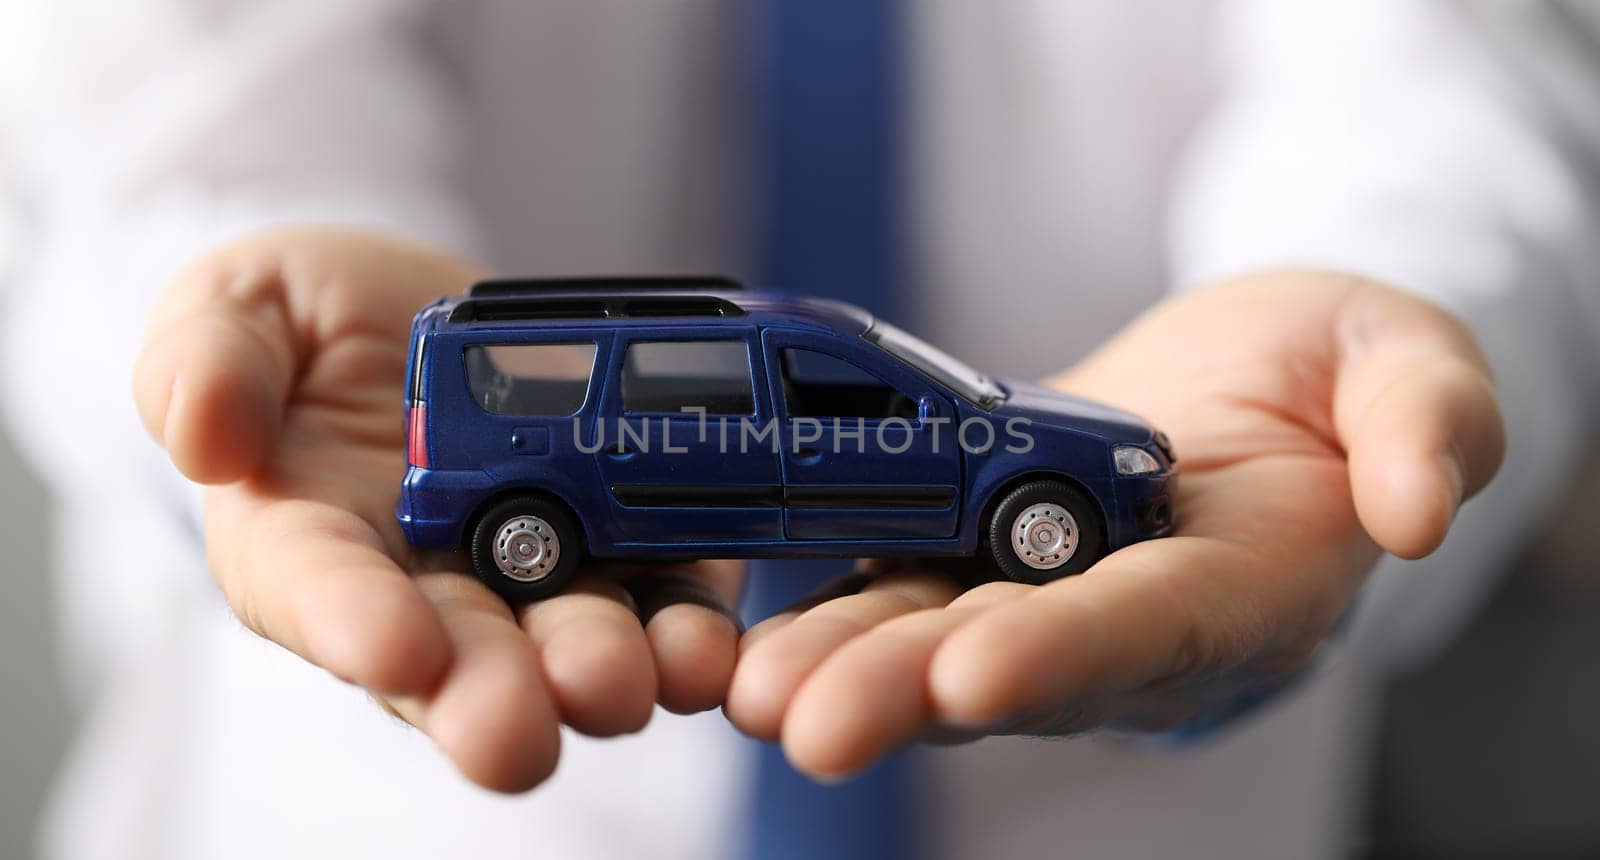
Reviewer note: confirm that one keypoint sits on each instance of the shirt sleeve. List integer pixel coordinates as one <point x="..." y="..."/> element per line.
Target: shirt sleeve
<point x="1413" y="141"/>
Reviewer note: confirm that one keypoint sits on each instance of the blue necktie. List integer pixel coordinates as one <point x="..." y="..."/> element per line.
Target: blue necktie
<point x="826" y="216"/>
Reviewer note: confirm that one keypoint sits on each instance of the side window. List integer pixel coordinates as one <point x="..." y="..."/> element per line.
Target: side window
<point x="818" y="385"/>
<point x="530" y="378"/>
<point x="687" y="376"/>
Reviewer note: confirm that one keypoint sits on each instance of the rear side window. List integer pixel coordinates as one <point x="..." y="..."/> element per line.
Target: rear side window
<point x="530" y="378"/>
<point x="688" y="376"/>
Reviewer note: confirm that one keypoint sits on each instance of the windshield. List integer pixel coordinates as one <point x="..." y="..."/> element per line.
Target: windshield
<point x="933" y="361"/>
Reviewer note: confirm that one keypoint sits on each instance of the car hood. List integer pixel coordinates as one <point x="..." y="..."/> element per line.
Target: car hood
<point x="1052" y="408"/>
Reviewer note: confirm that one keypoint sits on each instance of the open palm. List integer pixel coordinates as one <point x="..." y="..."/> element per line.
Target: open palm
<point x="1317" y="418"/>
<point x="272" y="372"/>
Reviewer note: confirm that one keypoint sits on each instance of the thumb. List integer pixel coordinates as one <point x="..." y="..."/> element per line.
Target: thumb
<point x="215" y="369"/>
<point x="1415" y="408"/>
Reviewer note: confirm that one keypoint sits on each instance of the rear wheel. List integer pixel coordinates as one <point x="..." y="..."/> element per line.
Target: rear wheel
<point x="1044" y="530"/>
<point x="526" y="548"/>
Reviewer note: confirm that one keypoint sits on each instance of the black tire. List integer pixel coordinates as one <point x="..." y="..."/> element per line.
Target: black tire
<point x="541" y="519"/>
<point x="1080" y="512"/>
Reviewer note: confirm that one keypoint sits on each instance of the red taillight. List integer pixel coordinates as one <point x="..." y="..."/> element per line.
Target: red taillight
<point x="417" y="436"/>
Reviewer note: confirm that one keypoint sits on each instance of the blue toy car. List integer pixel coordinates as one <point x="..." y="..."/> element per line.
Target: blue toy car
<point x="652" y="418"/>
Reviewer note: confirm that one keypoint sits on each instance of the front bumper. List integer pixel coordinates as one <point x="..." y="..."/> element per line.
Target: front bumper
<point x="1145" y="508"/>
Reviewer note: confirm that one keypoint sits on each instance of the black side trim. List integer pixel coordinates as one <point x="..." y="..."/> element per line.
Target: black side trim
<point x="722" y="496"/>
<point x="872" y="496"/>
<point x="697" y="496"/>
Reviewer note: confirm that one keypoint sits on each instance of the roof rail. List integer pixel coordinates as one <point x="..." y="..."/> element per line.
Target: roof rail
<point x="601" y="284"/>
<point x="599" y="306"/>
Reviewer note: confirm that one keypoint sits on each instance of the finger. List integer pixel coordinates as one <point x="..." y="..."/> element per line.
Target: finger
<point x="316" y="580"/>
<point x="868" y="697"/>
<point x="492" y="712"/>
<point x="992" y="594"/>
<point x="1174" y="608"/>
<point x="693" y="631"/>
<point x="595" y="656"/>
<point x="840" y="586"/>
<point x="776" y="665"/>
<point x="215" y="369"/>
<point x="1416" y="411"/>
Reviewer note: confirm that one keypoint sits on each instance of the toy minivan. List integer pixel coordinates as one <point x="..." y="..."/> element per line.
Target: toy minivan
<point x="671" y="418"/>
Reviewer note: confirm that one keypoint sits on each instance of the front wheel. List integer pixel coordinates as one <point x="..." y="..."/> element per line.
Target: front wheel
<point x="1044" y="530"/>
<point x="526" y="548"/>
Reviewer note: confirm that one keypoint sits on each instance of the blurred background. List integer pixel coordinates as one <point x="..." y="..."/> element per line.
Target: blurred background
<point x="1492" y="750"/>
<point x="33" y="709"/>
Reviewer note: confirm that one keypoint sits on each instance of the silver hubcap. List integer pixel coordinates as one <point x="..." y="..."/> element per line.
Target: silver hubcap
<point x="1044" y="536"/>
<point x="526" y="548"/>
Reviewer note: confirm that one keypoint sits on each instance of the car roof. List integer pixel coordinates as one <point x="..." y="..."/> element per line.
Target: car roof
<point x="625" y="303"/>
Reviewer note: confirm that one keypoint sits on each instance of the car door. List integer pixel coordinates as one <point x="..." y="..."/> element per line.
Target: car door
<point x="867" y="446"/>
<point x="672" y="459"/>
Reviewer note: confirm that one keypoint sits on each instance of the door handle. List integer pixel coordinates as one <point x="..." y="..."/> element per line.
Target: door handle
<point x="620" y="452"/>
<point x="807" y="455"/>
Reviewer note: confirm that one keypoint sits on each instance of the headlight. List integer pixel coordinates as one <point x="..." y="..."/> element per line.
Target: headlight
<point x="1133" y="461"/>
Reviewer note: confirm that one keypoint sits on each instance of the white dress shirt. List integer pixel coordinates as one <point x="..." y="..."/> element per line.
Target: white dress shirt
<point x="1069" y="164"/>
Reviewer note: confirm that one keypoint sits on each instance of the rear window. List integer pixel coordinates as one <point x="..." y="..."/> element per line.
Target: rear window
<point x="530" y="378"/>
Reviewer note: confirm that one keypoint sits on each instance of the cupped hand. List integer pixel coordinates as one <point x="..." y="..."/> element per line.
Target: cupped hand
<point x="1318" y="418"/>
<point x="272" y="371"/>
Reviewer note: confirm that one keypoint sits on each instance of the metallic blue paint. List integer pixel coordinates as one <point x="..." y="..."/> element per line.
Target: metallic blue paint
<point x="476" y="457"/>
